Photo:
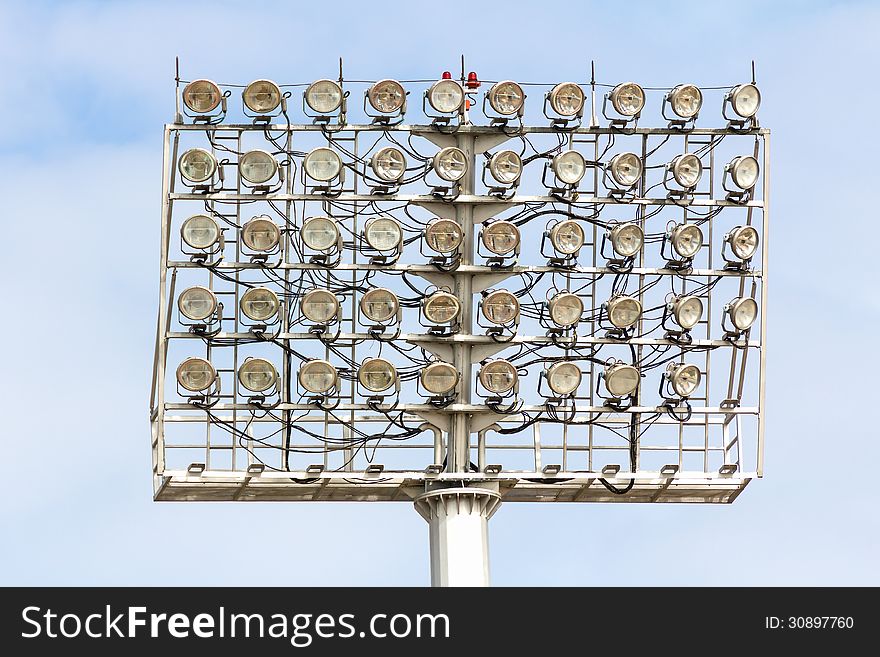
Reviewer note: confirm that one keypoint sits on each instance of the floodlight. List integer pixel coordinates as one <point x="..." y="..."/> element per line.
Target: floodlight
<point x="498" y="376"/>
<point x="744" y="171"/>
<point x="377" y="374"/>
<point x="262" y="96"/>
<point x="322" y="164"/>
<point x="196" y="374"/>
<point x="624" y="311"/>
<point x="566" y="309"/>
<point x="202" y="96"/>
<point x="443" y="235"/>
<point x="439" y="378"/>
<point x="257" y="166"/>
<point x="197" y="303"/>
<point x="383" y="233"/>
<point x="386" y="96"/>
<point x="685" y="101"/>
<point x="686" y="169"/>
<point x="389" y="164"/>
<point x="446" y="96"/>
<point x="743" y="241"/>
<point x="259" y="304"/>
<point x="506" y="167"/>
<point x="500" y="307"/>
<point x="686" y="240"/>
<point x="197" y="165"/>
<point x="569" y="167"/>
<point x="257" y="374"/>
<point x="625" y="169"/>
<point x="506" y="98"/>
<point x="564" y="377"/>
<point x="260" y="234"/>
<point x="379" y="304"/>
<point x="683" y="378"/>
<point x="627" y="239"/>
<point x="500" y="237"/>
<point x="567" y="236"/>
<point x="324" y="96"/>
<point x="441" y="308"/>
<point x="687" y="310"/>
<point x="319" y="306"/>
<point x="628" y="99"/>
<point x="567" y="99"/>
<point x="200" y="231"/>
<point x="621" y="380"/>
<point x="317" y="376"/>
<point x="745" y="99"/>
<point x="450" y="164"/>
<point x="742" y="312"/>
<point x="320" y="233"/>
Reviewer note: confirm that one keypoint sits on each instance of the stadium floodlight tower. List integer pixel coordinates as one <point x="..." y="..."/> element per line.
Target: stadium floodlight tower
<point x="329" y="330"/>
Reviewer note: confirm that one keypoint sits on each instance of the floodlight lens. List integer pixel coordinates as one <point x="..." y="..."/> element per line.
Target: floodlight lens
<point x="746" y="99"/>
<point x="569" y="167"/>
<point x="446" y="96"/>
<point x="744" y="170"/>
<point x="322" y="164"/>
<point x="743" y="242"/>
<point x="443" y="235"/>
<point x="324" y="96"/>
<point x="500" y="237"/>
<point x="196" y="374"/>
<point x="202" y="96"/>
<point x="197" y="165"/>
<point x="197" y="303"/>
<point x="627" y="239"/>
<point x="377" y="374"/>
<point x="317" y="376"/>
<point x="260" y="234"/>
<point x="257" y="166"/>
<point x="743" y="312"/>
<point x="200" y="231"/>
<point x="506" y="167"/>
<point x="684" y="378"/>
<point x="687" y="240"/>
<point x="498" y="376"/>
<point x="441" y="308"/>
<point x="379" y="304"/>
<point x="320" y="233"/>
<point x="687" y="310"/>
<point x="506" y="97"/>
<point x="386" y="96"/>
<point x="624" y="311"/>
<point x="567" y="236"/>
<point x="628" y="98"/>
<point x="450" y="164"/>
<point x="567" y="99"/>
<point x="566" y="309"/>
<point x="626" y="169"/>
<point x="320" y="306"/>
<point x="262" y="96"/>
<point x="439" y="378"/>
<point x="259" y="304"/>
<point x="621" y="380"/>
<point x="686" y="100"/>
<point x="383" y="233"/>
<point x="389" y="164"/>
<point x="687" y="170"/>
<point x="500" y="308"/>
<point x="564" y="378"/>
<point x="257" y="374"/>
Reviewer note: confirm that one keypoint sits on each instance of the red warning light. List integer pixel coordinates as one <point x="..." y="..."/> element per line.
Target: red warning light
<point x="472" y="81"/>
<point x="446" y="75"/>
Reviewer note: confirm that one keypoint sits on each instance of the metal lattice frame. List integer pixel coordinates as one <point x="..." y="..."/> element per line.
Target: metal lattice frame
<point x="710" y="457"/>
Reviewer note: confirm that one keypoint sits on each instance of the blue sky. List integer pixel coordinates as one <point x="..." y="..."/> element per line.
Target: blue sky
<point x="87" y="87"/>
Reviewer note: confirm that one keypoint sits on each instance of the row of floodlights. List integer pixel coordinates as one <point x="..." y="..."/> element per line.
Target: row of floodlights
<point x="386" y="99"/>
<point x="439" y="379"/>
<point x="498" y="308"/>
<point x="322" y="237"/>
<point x="258" y="169"/>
